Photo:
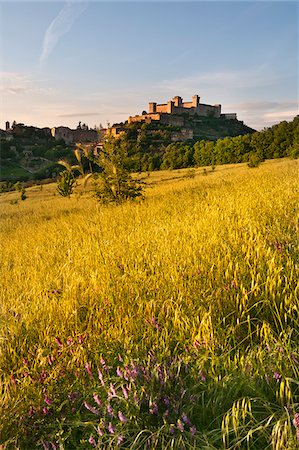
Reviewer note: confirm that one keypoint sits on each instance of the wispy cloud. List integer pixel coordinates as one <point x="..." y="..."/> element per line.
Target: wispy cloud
<point x="260" y="114"/>
<point x="60" y="26"/>
<point x="258" y="76"/>
<point x="16" y="83"/>
<point x="87" y="114"/>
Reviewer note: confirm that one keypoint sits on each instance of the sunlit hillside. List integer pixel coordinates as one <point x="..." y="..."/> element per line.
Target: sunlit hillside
<point x="168" y="323"/>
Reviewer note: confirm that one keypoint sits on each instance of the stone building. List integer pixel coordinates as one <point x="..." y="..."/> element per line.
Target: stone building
<point x="170" y="112"/>
<point x="177" y="106"/>
<point x="81" y="134"/>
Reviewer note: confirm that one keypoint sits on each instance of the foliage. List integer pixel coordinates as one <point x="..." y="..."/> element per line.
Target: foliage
<point x="66" y="183"/>
<point x="114" y="184"/>
<point x="254" y="160"/>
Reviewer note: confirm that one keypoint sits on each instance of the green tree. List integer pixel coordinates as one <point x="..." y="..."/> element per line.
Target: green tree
<point x="113" y="184"/>
<point x="67" y="181"/>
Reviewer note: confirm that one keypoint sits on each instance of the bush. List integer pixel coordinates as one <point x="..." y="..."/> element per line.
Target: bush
<point x="254" y="160"/>
<point x="114" y="184"/>
<point x="66" y="183"/>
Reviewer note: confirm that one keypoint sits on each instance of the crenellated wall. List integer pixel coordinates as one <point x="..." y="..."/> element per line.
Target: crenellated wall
<point x="177" y="106"/>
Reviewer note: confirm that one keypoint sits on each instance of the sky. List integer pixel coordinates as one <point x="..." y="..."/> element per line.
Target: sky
<point x="100" y="62"/>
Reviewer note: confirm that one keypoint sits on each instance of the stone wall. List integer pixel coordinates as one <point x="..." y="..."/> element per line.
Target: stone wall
<point x="70" y="136"/>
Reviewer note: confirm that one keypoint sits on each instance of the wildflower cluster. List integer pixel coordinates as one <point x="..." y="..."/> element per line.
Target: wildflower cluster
<point x="296" y="424"/>
<point x="134" y="396"/>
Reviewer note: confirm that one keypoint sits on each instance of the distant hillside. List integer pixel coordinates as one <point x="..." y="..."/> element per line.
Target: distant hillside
<point x="214" y="141"/>
<point x="213" y="129"/>
<point x="30" y="153"/>
<point x="200" y="141"/>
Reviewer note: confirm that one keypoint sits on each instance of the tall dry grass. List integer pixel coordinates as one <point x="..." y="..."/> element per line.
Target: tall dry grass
<point x="199" y="281"/>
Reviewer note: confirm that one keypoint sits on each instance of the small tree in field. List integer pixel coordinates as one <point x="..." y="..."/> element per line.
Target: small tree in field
<point x="67" y="181"/>
<point x="113" y="184"/>
<point x="254" y="160"/>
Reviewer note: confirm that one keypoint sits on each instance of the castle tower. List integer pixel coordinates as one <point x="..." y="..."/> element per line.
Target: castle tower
<point x="170" y="106"/>
<point x="177" y="101"/>
<point x="152" y="107"/>
<point x="7" y="126"/>
<point x="195" y="101"/>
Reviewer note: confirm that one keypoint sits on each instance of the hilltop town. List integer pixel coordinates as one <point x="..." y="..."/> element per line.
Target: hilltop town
<point x="28" y="151"/>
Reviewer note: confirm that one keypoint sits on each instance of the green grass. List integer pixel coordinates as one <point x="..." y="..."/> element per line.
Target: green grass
<point x="12" y="172"/>
<point x="192" y="294"/>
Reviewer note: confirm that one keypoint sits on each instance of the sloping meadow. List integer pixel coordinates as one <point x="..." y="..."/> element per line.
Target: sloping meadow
<point x="166" y="323"/>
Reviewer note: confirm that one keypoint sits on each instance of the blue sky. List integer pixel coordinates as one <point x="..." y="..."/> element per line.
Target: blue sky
<point x="61" y="62"/>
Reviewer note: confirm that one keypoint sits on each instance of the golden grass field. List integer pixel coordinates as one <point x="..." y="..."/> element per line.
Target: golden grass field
<point x="202" y="274"/>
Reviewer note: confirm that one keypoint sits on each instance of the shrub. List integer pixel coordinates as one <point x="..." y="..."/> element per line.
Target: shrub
<point x="254" y="160"/>
<point x="66" y="184"/>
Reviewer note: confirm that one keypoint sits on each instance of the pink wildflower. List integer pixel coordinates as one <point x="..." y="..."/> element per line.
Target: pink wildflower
<point x="88" y="370"/>
<point x="122" y="417"/>
<point x="111" y="428"/>
<point x="97" y="399"/>
<point x="92" y="441"/>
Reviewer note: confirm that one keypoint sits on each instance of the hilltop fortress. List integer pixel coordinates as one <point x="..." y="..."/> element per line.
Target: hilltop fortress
<point x="170" y="112"/>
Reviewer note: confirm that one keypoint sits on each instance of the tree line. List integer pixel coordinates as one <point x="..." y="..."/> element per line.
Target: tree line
<point x="144" y="154"/>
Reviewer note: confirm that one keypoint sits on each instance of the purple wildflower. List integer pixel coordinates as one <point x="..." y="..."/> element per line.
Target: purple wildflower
<point x="119" y="440"/>
<point x="296" y="420"/>
<point x="180" y="425"/>
<point x="58" y="342"/>
<point x="186" y="419"/>
<point x="171" y="429"/>
<point x="202" y="376"/>
<point x="193" y="430"/>
<point x="97" y="399"/>
<point x="88" y="370"/>
<point x="155" y="323"/>
<point x="111" y="428"/>
<point x="112" y="390"/>
<point x="125" y="392"/>
<point x="110" y="410"/>
<point x="126" y="374"/>
<point x="278" y="246"/>
<point x="46" y="445"/>
<point x="91" y="408"/>
<point x="100" y="375"/>
<point x="277" y="376"/>
<point x="92" y="441"/>
<point x="119" y="373"/>
<point x="47" y="400"/>
<point x="122" y="417"/>
<point x="103" y="362"/>
<point x="42" y="377"/>
<point x="166" y="401"/>
<point x="153" y="409"/>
